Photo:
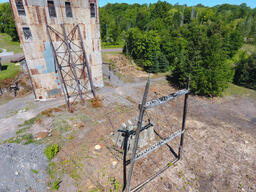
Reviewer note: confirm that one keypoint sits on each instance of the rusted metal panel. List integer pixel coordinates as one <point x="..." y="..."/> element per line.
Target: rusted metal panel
<point x="36" y="18"/>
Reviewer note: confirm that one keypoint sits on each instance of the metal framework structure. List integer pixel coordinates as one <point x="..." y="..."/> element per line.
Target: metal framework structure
<point x="71" y="64"/>
<point x="138" y="156"/>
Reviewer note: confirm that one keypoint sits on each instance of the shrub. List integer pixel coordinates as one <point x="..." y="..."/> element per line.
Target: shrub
<point x="51" y="151"/>
<point x="245" y="73"/>
<point x="56" y="185"/>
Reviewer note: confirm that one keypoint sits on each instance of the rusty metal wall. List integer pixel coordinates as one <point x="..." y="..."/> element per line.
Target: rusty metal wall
<point x="37" y="50"/>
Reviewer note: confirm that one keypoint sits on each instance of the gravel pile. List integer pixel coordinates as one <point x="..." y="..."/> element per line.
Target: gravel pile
<point x="22" y="168"/>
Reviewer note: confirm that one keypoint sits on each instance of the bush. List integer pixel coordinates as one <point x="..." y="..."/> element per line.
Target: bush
<point x="51" y="151"/>
<point x="245" y="71"/>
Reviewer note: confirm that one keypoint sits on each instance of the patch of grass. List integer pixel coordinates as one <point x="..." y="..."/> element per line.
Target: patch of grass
<point x="28" y="122"/>
<point x="74" y="174"/>
<point x="105" y="45"/>
<point x="51" y="151"/>
<point x="94" y="190"/>
<point x="234" y="90"/>
<point x="34" y="171"/>
<point x="249" y="47"/>
<point x="20" y="131"/>
<point x="52" y="170"/>
<point x="23" y="139"/>
<point x="130" y="99"/>
<point x="116" y="186"/>
<point x="7" y="43"/>
<point x="61" y="125"/>
<point x="56" y="185"/>
<point x="10" y="73"/>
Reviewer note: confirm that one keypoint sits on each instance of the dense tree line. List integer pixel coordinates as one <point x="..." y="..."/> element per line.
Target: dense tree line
<point x="194" y="41"/>
<point x="198" y="41"/>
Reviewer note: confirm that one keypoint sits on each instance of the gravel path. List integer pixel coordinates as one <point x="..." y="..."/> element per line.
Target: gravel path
<point x="16" y="111"/>
<point x="22" y="168"/>
<point x="5" y="53"/>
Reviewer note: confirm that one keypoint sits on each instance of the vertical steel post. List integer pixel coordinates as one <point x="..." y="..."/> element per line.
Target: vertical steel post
<point x="184" y="120"/>
<point x="86" y="63"/>
<point x="57" y="68"/>
<point x="72" y="65"/>
<point x="30" y="78"/>
<point x="139" y="126"/>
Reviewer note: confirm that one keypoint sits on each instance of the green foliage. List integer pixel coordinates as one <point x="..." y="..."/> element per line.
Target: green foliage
<point x="56" y="185"/>
<point x="144" y="48"/>
<point x="21" y="139"/>
<point x="29" y="122"/>
<point x="198" y="42"/>
<point x="34" y="171"/>
<point x="11" y="72"/>
<point x="22" y="130"/>
<point x="7" y="43"/>
<point x="116" y="186"/>
<point x="51" y="151"/>
<point x="245" y="71"/>
<point x="7" y="21"/>
<point x="204" y="58"/>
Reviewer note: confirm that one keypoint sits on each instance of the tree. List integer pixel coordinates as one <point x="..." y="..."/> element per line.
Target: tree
<point x="245" y="71"/>
<point x="7" y="24"/>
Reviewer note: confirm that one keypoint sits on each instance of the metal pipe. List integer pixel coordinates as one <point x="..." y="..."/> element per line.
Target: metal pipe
<point x="184" y="120"/>
<point x="139" y="126"/>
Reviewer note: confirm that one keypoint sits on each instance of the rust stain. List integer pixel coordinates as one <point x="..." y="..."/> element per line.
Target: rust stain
<point x="34" y="71"/>
<point x="36" y="84"/>
<point x="45" y="18"/>
<point x="90" y="58"/>
<point x="26" y="3"/>
<point x="38" y="15"/>
<point x="93" y="49"/>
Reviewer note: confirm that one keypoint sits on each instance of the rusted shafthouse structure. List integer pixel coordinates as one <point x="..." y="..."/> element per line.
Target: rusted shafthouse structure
<point x="62" y="47"/>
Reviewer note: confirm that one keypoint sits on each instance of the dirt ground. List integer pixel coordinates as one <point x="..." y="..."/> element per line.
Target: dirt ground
<point x="219" y="146"/>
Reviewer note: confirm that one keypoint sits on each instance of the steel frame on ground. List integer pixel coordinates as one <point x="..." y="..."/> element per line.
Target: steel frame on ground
<point x="135" y="157"/>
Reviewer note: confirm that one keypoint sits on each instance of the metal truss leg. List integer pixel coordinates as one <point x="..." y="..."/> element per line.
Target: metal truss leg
<point x="139" y="126"/>
<point x="72" y="65"/>
<point x="86" y="63"/>
<point x="57" y="68"/>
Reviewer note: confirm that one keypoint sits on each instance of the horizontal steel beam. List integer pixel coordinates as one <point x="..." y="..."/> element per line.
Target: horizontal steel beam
<point x="133" y="132"/>
<point x="165" y="99"/>
<point x="157" y="145"/>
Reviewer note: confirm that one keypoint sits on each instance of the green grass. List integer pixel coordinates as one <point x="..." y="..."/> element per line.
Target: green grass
<point x="23" y="139"/>
<point x="11" y="72"/>
<point x="34" y="171"/>
<point x="51" y="151"/>
<point x="234" y="90"/>
<point x="249" y="47"/>
<point x="20" y="131"/>
<point x="7" y="43"/>
<point x="105" y="45"/>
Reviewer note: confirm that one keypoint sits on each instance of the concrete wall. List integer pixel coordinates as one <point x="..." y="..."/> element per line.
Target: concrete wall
<point x="37" y="50"/>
